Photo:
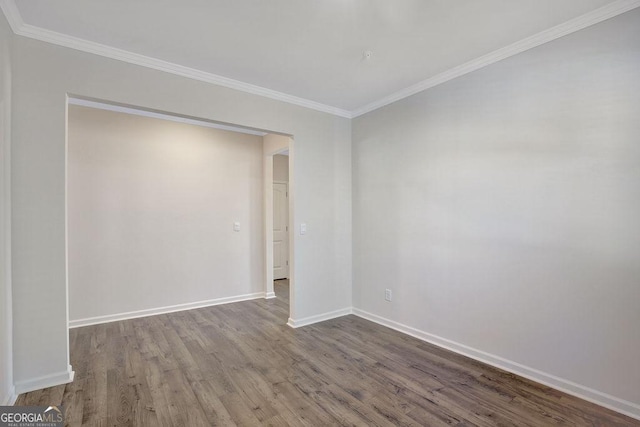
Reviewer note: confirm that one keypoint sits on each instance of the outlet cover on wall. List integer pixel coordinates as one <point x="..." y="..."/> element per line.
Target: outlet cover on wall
<point x="387" y="294"/>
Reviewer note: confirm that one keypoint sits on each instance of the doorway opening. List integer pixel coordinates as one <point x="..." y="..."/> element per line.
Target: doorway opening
<point x="281" y="225"/>
<point x="281" y="216"/>
<point x="279" y="265"/>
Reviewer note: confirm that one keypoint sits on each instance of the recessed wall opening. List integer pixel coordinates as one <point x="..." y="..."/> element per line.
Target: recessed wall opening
<point x="167" y="213"/>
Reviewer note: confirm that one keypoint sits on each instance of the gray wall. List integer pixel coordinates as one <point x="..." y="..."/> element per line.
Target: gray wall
<point x="6" y="337"/>
<point x="151" y="205"/>
<point x="43" y="75"/>
<point x="502" y="209"/>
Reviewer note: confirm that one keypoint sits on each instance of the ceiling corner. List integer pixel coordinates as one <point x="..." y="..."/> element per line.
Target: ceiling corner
<point x="11" y="12"/>
<point x="596" y="16"/>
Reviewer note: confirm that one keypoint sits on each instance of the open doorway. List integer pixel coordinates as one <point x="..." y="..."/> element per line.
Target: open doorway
<point x="279" y="271"/>
<point x="281" y="224"/>
<point x="281" y="216"/>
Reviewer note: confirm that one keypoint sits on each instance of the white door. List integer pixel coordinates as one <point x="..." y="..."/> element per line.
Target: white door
<point x="280" y="230"/>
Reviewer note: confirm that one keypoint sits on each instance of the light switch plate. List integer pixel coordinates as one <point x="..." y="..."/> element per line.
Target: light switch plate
<point x="236" y="226"/>
<point x="303" y="228"/>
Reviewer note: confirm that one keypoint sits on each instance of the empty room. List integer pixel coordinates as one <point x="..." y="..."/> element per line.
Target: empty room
<point x="287" y="213"/>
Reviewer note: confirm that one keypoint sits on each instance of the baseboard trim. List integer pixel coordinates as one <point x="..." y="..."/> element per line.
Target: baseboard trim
<point x="10" y="398"/>
<point x="270" y="295"/>
<point x="45" y="381"/>
<point x="605" y="400"/>
<point x="298" y="323"/>
<point x="162" y="310"/>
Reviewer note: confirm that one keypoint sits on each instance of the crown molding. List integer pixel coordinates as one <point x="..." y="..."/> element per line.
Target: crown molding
<point x="72" y="100"/>
<point x="598" y="15"/>
<point x="20" y="28"/>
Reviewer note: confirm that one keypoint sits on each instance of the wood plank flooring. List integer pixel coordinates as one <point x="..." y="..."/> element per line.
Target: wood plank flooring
<point x="239" y="364"/>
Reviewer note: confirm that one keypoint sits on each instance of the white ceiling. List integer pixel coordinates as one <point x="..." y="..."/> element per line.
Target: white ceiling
<point x="309" y="49"/>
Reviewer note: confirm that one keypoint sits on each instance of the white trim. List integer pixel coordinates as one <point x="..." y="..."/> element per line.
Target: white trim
<point x="606" y="400"/>
<point x="162" y="310"/>
<point x="163" y="116"/>
<point x="319" y="317"/>
<point x="20" y="28"/>
<point x="591" y="18"/>
<point x="270" y="295"/>
<point x="45" y="381"/>
<point x="11" y="397"/>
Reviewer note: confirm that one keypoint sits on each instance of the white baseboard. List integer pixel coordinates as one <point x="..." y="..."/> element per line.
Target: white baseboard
<point x="10" y="398"/>
<point x="162" y="310"/>
<point x="45" y="381"/>
<point x="606" y="400"/>
<point x="297" y="323"/>
<point x="270" y="295"/>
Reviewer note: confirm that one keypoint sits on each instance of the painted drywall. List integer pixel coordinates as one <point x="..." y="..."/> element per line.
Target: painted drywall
<point x="281" y="168"/>
<point x="501" y="208"/>
<point x="6" y="336"/>
<point x="43" y="76"/>
<point x="151" y="206"/>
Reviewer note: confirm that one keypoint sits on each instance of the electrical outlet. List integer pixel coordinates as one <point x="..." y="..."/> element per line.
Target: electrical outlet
<point x="387" y="294"/>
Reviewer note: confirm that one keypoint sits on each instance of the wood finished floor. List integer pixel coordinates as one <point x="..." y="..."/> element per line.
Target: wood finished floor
<point x="239" y="364"/>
